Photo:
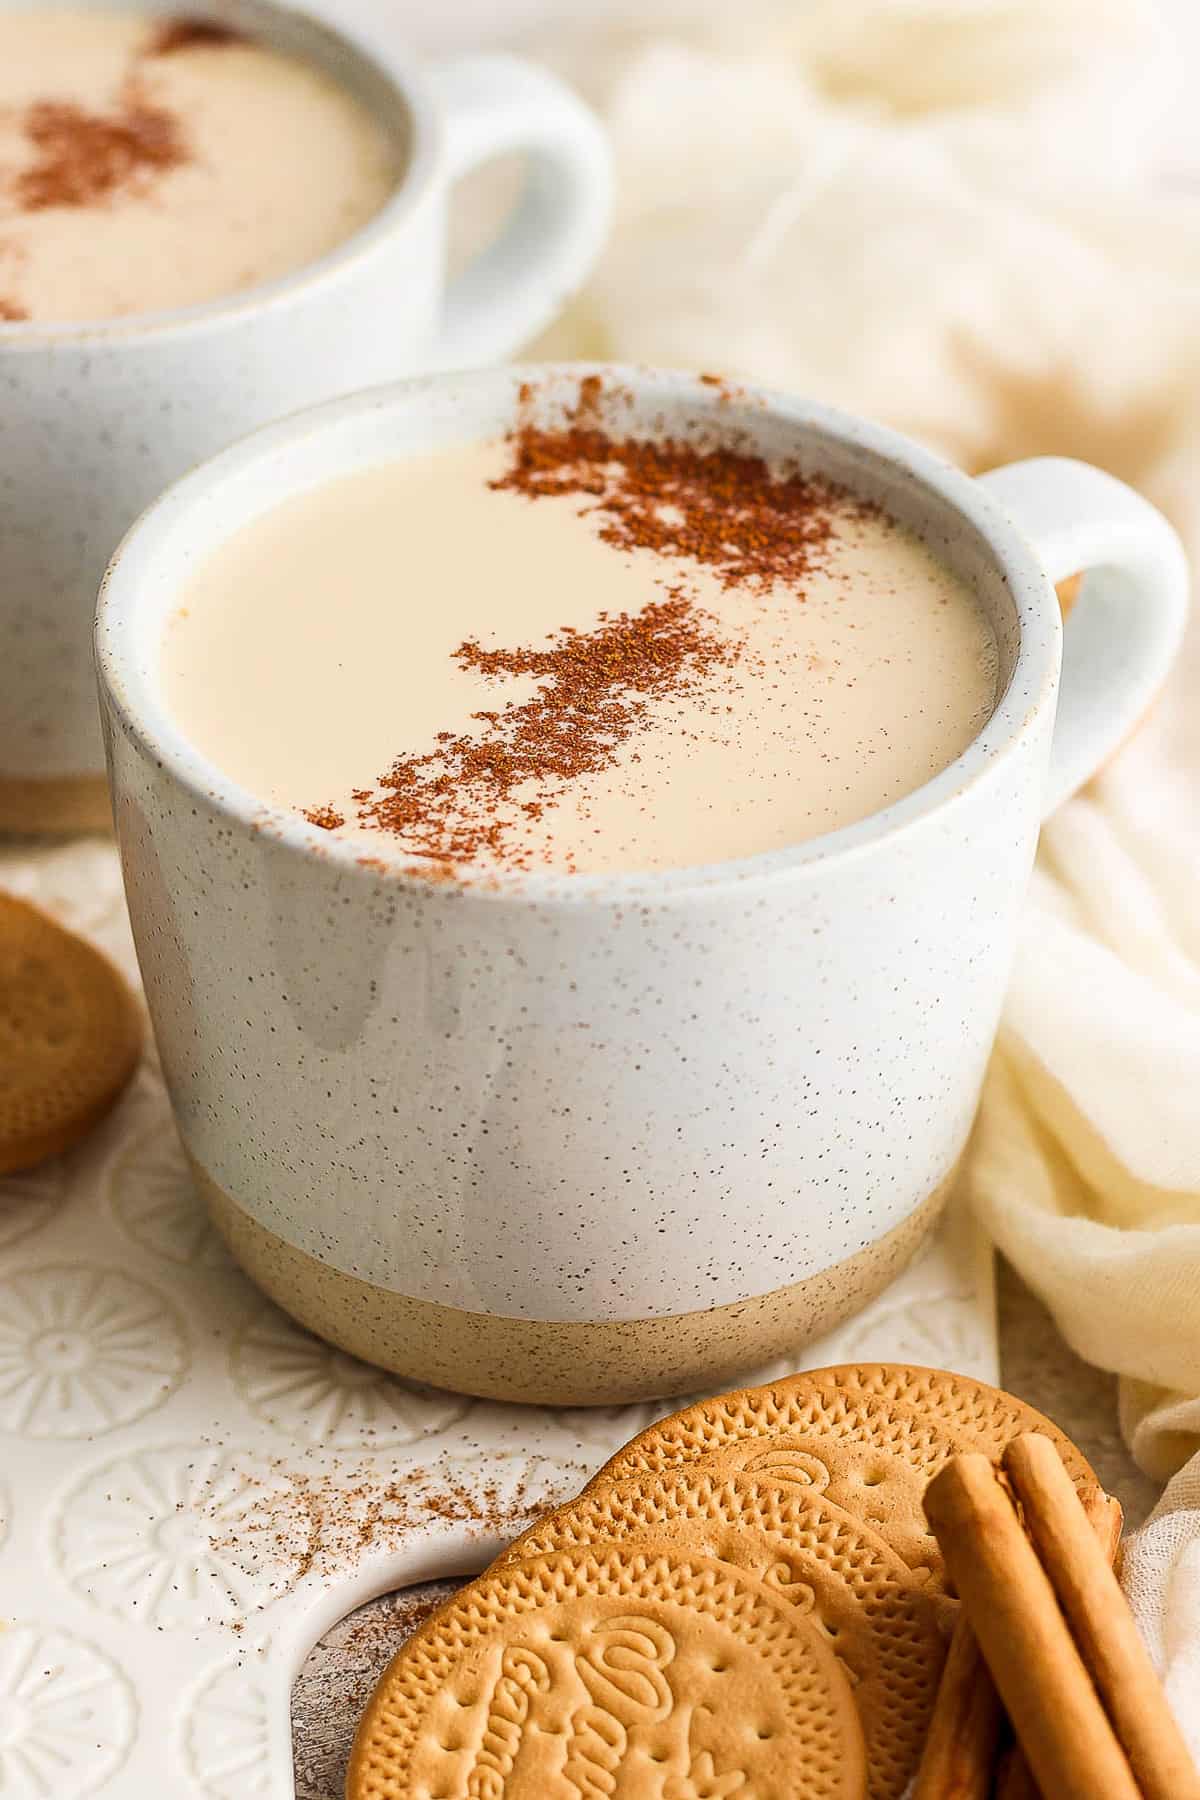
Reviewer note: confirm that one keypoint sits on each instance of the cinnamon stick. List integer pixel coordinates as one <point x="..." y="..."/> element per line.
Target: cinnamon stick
<point x="964" y="1728"/>
<point x="1106" y="1519"/>
<point x="1007" y="1596"/>
<point x="1099" y="1616"/>
<point x="1014" y="1782"/>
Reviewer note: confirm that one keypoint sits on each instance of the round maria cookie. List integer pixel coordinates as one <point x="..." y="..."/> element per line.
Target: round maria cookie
<point x="636" y="1675"/>
<point x="884" y="1626"/>
<point x="870" y="1437"/>
<point x="70" y="1035"/>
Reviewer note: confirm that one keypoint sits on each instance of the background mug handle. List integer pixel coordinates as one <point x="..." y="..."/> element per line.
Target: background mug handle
<point x="494" y="105"/>
<point x="1123" y="633"/>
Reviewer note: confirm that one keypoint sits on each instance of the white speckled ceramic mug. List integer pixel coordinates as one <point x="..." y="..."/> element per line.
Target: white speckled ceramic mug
<point x="95" y="419"/>
<point x="598" y="1137"/>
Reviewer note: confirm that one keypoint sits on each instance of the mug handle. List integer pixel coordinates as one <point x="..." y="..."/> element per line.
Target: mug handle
<point x="493" y="105"/>
<point x="1122" y="634"/>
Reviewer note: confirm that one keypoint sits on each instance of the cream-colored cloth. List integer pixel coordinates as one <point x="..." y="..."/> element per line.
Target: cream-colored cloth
<point x="1161" y="1578"/>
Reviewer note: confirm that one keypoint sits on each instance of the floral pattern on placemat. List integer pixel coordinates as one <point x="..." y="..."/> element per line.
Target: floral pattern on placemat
<point x="67" y="1715"/>
<point x="293" y="1380"/>
<point x="84" y="1350"/>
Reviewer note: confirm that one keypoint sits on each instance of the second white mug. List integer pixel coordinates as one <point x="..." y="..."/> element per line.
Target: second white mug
<point x="96" y="418"/>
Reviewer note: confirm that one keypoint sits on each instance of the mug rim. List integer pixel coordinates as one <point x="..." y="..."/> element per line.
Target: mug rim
<point x="411" y="102"/>
<point x="135" y="697"/>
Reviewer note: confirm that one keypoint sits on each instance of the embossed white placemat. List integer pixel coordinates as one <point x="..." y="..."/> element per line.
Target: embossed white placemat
<point x="192" y="1489"/>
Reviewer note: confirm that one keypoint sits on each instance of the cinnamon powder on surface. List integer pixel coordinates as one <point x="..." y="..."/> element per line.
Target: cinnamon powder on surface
<point x="324" y="1520"/>
<point x="720" y="509"/>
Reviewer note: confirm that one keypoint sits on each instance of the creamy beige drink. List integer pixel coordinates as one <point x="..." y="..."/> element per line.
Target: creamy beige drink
<point x="560" y="652"/>
<point x="155" y="162"/>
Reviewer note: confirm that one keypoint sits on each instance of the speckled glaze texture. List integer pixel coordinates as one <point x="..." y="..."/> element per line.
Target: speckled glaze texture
<point x="575" y="1101"/>
<point x="96" y="420"/>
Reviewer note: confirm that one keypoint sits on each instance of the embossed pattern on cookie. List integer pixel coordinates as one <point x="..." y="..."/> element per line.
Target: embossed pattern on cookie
<point x="885" y="1630"/>
<point x="869" y="1436"/>
<point x="70" y="1035"/>
<point x="653" y="1676"/>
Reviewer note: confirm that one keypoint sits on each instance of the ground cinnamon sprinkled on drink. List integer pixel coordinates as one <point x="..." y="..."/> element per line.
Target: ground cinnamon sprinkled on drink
<point x="594" y="688"/>
<point x="84" y="158"/>
<point x="327" y="817"/>
<point x="720" y="509"/>
<point x="174" y="35"/>
<point x="10" y="311"/>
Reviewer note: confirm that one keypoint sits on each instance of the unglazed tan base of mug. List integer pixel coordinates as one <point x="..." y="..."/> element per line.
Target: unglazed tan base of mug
<point x="63" y="804"/>
<point x="549" y="1362"/>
